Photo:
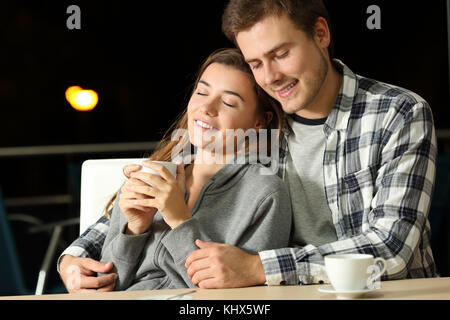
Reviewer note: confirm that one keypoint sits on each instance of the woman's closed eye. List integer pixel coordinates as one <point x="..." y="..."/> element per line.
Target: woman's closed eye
<point x="228" y="104"/>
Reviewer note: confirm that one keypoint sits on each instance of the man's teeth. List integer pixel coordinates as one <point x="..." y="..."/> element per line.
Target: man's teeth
<point x="204" y="125"/>
<point x="289" y="87"/>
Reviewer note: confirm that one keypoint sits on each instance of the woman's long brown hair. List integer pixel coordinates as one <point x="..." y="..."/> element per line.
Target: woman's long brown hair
<point x="230" y="57"/>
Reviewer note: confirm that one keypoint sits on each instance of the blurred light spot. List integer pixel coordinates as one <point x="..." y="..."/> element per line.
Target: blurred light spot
<point x="80" y="99"/>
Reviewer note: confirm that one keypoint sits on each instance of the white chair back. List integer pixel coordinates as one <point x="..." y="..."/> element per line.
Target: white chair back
<point x="100" y="180"/>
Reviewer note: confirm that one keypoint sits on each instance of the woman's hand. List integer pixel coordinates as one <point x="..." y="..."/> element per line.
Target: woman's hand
<point x="127" y="170"/>
<point x="139" y="217"/>
<point x="167" y="193"/>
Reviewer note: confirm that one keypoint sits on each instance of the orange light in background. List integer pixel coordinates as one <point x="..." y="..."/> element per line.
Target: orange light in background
<point x="80" y="99"/>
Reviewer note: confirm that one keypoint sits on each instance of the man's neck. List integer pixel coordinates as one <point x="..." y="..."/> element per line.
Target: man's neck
<point x="324" y="102"/>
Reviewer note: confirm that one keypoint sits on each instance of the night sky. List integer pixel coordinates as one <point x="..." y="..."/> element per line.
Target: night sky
<point x="141" y="58"/>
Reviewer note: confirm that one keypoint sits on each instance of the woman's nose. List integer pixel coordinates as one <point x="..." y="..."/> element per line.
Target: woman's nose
<point x="209" y="107"/>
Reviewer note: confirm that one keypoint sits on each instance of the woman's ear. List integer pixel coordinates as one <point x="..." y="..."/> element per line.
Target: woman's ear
<point x="264" y="120"/>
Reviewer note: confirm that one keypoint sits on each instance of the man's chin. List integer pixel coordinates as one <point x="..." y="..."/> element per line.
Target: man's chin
<point x="291" y="108"/>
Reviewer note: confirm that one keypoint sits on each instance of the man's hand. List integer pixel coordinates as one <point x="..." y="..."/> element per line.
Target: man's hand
<point x="217" y="265"/>
<point x="78" y="275"/>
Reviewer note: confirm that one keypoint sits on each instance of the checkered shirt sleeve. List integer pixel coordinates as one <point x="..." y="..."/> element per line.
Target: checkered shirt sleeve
<point x="90" y="243"/>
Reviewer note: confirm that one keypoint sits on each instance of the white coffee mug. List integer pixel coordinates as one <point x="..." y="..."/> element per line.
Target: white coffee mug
<point x="172" y="167"/>
<point x="350" y="272"/>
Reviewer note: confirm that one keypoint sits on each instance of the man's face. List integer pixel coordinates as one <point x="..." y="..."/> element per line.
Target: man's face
<point x="286" y="63"/>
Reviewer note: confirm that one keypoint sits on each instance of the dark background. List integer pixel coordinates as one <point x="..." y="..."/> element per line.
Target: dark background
<point x="141" y="58"/>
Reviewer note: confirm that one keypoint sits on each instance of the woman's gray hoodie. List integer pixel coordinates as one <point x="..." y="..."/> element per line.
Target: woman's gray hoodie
<point x="244" y="205"/>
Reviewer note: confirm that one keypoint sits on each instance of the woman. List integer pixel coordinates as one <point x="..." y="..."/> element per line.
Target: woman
<point x="153" y="229"/>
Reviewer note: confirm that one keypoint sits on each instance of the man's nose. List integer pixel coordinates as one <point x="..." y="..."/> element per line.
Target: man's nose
<point x="271" y="74"/>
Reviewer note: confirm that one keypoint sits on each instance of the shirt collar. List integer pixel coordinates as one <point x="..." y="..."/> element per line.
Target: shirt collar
<point x="340" y="114"/>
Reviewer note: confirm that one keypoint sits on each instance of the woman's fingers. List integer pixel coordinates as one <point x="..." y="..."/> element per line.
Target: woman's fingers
<point x="181" y="176"/>
<point x="142" y="190"/>
<point x="150" y="178"/>
<point x="135" y="182"/>
<point x="130" y="168"/>
<point x="160" y="169"/>
<point x="128" y="187"/>
<point x="129" y="204"/>
<point x="131" y="195"/>
<point x="145" y="203"/>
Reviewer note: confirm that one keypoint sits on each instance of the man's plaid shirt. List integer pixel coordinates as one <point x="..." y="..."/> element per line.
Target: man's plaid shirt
<point x="378" y="171"/>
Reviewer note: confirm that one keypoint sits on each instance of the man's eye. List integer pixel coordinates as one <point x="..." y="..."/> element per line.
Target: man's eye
<point x="283" y="55"/>
<point x="255" y="66"/>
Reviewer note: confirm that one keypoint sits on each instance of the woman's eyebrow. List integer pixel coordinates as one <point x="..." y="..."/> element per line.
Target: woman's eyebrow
<point x="204" y="82"/>
<point x="225" y="91"/>
<point x="234" y="94"/>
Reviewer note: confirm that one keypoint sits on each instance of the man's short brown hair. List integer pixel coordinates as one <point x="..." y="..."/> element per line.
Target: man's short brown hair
<point x="240" y="15"/>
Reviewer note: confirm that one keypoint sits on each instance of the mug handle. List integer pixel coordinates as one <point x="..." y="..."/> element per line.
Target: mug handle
<point x="372" y="282"/>
<point x="383" y="262"/>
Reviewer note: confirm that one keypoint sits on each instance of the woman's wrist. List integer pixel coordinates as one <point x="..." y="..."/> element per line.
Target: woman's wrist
<point x="134" y="229"/>
<point x="140" y="226"/>
<point x="175" y="222"/>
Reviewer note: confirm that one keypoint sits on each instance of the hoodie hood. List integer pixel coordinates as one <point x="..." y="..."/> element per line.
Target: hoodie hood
<point x="234" y="169"/>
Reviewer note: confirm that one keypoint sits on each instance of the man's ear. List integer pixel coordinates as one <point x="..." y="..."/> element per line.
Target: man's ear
<point x="322" y="34"/>
<point x="264" y="120"/>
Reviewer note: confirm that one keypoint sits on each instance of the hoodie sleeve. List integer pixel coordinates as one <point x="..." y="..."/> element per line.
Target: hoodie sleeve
<point x="271" y="223"/>
<point x="269" y="228"/>
<point x="124" y="251"/>
<point x="180" y="242"/>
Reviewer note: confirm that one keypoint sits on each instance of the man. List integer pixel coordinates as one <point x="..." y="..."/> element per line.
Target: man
<point x="357" y="155"/>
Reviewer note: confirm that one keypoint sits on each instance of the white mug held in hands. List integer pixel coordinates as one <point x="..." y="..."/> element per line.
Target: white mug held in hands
<point x="351" y="272"/>
<point x="172" y="167"/>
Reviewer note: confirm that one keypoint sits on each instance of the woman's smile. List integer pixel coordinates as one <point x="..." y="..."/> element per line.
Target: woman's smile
<point x="204" y="125"/>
